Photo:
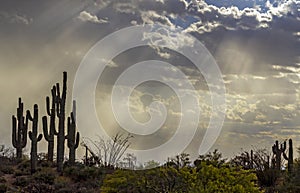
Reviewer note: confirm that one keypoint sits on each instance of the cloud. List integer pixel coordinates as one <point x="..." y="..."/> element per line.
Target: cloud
<point x="152" y="17"/>
<point x="86" y="16"/>
<point x="248" y="18"/>
<point x="283" y="8"/>
<point x="14" y="18"/>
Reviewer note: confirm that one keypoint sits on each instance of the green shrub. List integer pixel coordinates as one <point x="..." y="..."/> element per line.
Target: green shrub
<point x="61" y="182"/>
<point x="38" y="188"/>
<point x="22" y="181"/>
<point x="46" y="175"/>
<point x="82" y="173"/>
<point x="3" y="188"/>
<point x="2" y="180"/>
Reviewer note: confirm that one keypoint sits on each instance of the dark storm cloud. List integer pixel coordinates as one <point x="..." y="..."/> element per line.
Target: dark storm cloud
<point x="228" y="32"/>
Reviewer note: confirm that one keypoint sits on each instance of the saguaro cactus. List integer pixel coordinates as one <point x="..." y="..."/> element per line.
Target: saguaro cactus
<point x="60" y="101"/>
<point x="34" y="137"/>
<point x="277" y="151"/>
<point x="71" y="140"/>
<point x="51" y="111"/>
<point x="289" y="158"/>
<point x="19" y="130"/>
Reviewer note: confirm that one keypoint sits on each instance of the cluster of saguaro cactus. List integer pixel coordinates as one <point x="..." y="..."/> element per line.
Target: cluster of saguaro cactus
<point x="55" y="109"/>
<point x="72" y="140"/>
<point x="19" y="130"/>
<point x="34" y="137"/>
<point x="279" y="150"/>
<point x="290" y="157"/>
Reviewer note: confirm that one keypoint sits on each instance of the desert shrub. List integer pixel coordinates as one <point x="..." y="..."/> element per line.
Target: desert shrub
<point x="24" y="166"/>
<point x="61" y="182"/>
<point x="38" y="188"/>
<point x="65" y="190"/>
<point x="82" y="173"/>
<point x="22" y="181"/>
<point x="45" y="164"/>
<point x="46" y="175"/>
<point x="2" y="180"/>
<point x="7" y="169"/>
<point x="21" y="173"/>
<point x="3" y="188"/>
<point x="85" y="190"/>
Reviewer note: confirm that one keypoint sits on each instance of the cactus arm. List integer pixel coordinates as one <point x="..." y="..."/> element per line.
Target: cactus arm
<point x="57" y="90"/>
<point x="20" y="108"/>
<point x="30" y="135"/>
<point x="45" y="128"/>
<point x="64" y="93"/>
<point x="39" y="138"/>
<point x="285" y="156"/>
<point x="53" y="91"/>
<point x="68" y="136"/>
<point x="274" y="149"/>
<point x="283" y="146"/>
<point x="48" y="105"/>
<point x="28" y="115"/>
<point x="55" y="132"/>
<point x="14" y="132"/>
<point x="77" y="140"/>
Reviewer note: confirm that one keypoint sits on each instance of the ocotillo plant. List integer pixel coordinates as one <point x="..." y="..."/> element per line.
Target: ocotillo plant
<point x="290" y="157"/>
<point x="19" y="130"/>
<point x="277" y="151"/>
<point x="34" y="137"/>
<point x="71" y="140"/>
<point x="51" y="111"/>
<point x="60" y="101"/>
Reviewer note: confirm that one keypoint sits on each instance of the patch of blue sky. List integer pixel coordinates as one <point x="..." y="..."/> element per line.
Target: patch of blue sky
<point x="184" y="21"/>
<point x="241" y="4"/>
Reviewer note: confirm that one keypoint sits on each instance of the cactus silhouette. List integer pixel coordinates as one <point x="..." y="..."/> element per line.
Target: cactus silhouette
<point x="51" y="111"/>
<point x="71" y="140"/>
<point x="19" y="130"/>
<point x="60" y="101"/>
<point x="290" y="157"/>
<point x="277" y="151"/>
<point x="34" y="137"/>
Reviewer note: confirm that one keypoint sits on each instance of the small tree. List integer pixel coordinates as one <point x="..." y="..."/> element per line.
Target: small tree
<point x="110" y="151"/>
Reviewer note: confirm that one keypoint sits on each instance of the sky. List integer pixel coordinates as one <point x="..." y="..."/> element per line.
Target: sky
<point x="256" y="44"/>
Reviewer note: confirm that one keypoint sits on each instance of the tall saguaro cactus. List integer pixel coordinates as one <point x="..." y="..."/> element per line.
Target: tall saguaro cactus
<point x="19" y="130"/>
<point x="289" y="158"/>
<point x="51" y="111"/>
<point x="60" y="101"/>
<point x="278" y="151"/>
<point x="34" y="137"/>
<point x="71" y="140"/>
